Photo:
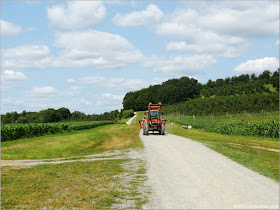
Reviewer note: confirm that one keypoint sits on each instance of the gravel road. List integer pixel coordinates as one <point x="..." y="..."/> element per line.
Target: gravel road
<point x="184" y="174"/>
<point x="132" y="118"/>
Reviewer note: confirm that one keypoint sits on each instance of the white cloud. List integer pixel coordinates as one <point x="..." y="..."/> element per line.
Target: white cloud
<point x="151" y="14"/>
<point x="108" y="101"/>
<point x="253" y="20"/>
<point x="94" y="48"/>
<point x="78" y="49"/>
<point x="116" y="84"/>
<point x="219" y="29"/>
<point x="41" y="91"/>
<point x="26" y="56"/>
<point x="176" y="30"/>
<point x="111" y="97"/>
<point x="9" y="29"/>
<point x="258" y="65"/>
<point x="80" y="102"/>
<point x="177" y="46"/>
<point x="277" y="42"/>
<point x="71" y="91"/>
<point x="10" y="75"/>
<point x="180" y="65"/>
<point x="223" y="46"/>
<point x="77" y="14"/>
<point x="92" y="80"/>
<point x="71" y="81"/>
<point x="9" y="104"/>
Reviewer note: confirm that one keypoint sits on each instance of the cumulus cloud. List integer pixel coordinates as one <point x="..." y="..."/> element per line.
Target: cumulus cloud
<point x="116" y="84"/>
<point x="78" y="49"/>
<point x="77" y="14"/>
<point x="9" y="29"/>
<point x="253" y="20"/>
<point x="11" y="104"/>
<point x="211" y="43"/>
<point x="220" y="29"/>
<point x="94" y="48"/>
<point x="71" y="81"/>
<point x="258" y="65"/>
<point x="10" y="75"/>
<point x="26" y="56"/>
<point x="180" y="65"/>
<point x="109" y="101"/>
<point x="70" y="91"/>
<point x="41" y="91"/>
<point x="177" y="46"/>
<point x="151" y="14"/>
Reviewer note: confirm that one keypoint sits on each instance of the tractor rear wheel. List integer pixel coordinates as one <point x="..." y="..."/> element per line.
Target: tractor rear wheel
<point x="162" y="131"/>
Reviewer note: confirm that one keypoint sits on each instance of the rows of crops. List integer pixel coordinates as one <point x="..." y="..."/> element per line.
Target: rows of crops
<point x="16" y="131"/>
<point x="225" y="104"/>
<point x="267" y="129"/>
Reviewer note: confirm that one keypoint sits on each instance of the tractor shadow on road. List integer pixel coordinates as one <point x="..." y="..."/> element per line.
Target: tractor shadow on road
<point x="156" y="134"/>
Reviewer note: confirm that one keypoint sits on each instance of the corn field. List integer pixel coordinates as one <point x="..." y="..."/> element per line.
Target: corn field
<point x="16" y="131"/>
<point x="267" y="129"/>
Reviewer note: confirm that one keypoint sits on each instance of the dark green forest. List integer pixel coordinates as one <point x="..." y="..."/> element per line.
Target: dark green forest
<point x="256" y="89"/>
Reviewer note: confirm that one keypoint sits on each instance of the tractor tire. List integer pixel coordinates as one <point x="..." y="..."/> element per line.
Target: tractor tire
<point x="144" y="129"/>
<point x="162" y="131"/>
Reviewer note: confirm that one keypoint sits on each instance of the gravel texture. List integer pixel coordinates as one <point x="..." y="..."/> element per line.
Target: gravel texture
<point x="184" y="174"/>
<point x="132" y="118"/>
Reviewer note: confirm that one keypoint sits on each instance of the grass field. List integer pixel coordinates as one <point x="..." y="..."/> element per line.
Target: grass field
<point x="257" y="153"/>
<point x="75" y="143"/>
<point x="97" y="184"/>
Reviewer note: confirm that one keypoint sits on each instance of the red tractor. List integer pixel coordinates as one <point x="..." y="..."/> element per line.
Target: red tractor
<point x="153" y="121"/>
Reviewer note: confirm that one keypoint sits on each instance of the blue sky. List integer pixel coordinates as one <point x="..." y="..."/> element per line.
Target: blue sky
<point x="86" y="55"/>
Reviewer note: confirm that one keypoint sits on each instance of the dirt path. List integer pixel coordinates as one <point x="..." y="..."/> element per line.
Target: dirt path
<point x="131" y="119"/>
<point x="110" y="155"/>
<point x="184" y="174"/>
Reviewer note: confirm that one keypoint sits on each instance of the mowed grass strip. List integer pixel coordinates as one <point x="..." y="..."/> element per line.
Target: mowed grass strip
<point x="238" y="148"/>
<point x="99" y="184"/>
<point x="87" y="185"/>
<point x="75" y="143"/>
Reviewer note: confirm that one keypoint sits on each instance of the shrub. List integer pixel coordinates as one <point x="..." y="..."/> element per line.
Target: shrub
<point x="128" y="113"/>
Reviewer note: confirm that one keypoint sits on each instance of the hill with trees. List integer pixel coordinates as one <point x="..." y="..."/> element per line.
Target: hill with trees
<point x="176" y="91"/>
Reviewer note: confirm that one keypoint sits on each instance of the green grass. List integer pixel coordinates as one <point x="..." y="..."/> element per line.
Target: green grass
<point x="97" y="184"/>
<point x="238" y="148"/>
<point x="75" y="143"/>
<point x="123" y="120"/>
<point x="87" y="185"/>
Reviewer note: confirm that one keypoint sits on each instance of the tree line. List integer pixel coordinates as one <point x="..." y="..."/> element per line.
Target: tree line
<point x="241" y="85"/>
<point x="52" y="115"/>
<point x="174" y="91"/>
<point x="169" y="92"/>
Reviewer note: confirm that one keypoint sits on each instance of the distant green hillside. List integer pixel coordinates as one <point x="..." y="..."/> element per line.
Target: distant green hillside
<point x="175" y="91"/>
<point x="225" y="104"/>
